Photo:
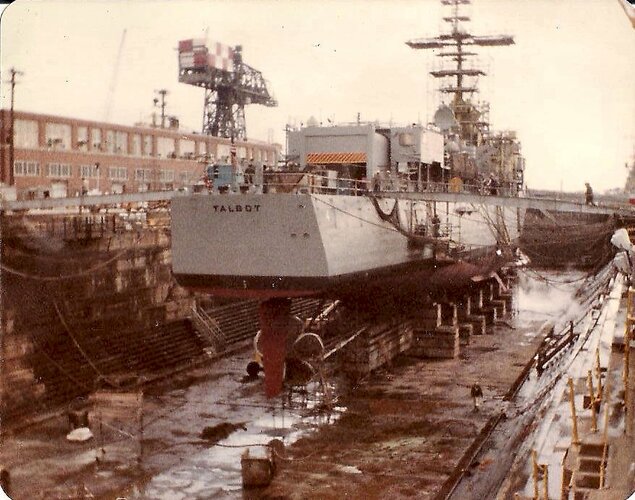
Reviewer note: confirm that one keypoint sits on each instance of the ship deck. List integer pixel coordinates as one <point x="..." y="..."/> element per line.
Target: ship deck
<point x="534" y="201"/>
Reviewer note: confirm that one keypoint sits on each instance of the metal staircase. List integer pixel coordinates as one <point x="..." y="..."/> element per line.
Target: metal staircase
<point x="208" y="330"/>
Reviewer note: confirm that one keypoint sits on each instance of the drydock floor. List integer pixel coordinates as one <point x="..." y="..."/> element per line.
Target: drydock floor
<point x="404" y="432"/>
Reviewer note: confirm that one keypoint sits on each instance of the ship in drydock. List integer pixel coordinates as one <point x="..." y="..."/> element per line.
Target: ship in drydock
<point x="344" y="225"/>
<point x="338" y="220"/>
<point x="351" y="215"/>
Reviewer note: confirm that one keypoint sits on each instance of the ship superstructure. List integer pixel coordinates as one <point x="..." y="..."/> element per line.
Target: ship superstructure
<point x="474" y="151"/>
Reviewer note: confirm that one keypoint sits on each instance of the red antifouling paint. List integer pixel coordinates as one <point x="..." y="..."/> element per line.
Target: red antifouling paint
<point x="274" y="326"/>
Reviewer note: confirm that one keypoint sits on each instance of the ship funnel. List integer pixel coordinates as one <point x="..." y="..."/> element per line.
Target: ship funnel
<point x="444" y="118"/>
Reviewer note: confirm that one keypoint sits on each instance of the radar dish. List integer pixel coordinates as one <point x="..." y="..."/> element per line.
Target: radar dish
<point x="452" y="147"/>
<point x="444" y="118"/>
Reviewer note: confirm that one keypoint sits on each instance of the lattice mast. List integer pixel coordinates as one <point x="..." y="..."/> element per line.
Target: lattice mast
<point x="229" y="85"/>
<point x="462" y="73"/>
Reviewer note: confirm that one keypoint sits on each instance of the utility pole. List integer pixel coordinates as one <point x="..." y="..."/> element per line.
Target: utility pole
<point x="14" y="73"/>
<point x="162" y="93"/>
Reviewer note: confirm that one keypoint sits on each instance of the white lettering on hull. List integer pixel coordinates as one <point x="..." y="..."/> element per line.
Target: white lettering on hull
<point x="236" y="208"/>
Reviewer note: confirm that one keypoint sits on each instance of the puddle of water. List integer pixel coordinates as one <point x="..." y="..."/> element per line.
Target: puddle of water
<point x="547" y="295"/>
<point x="215" y="471"/>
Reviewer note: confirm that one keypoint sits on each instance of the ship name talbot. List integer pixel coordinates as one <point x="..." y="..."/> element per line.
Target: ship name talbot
<point x="236" y="208"/>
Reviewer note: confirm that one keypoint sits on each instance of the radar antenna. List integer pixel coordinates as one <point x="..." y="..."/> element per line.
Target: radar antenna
<point x="462" y="75"/>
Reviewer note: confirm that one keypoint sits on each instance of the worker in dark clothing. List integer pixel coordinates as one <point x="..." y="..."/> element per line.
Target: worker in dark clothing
<point x="588" y="194"/>
<point x="249" y="174"/>
<point x="376" y="183"/>
<point x="477" y="395"/>
<point x="436" y="226"/>
<point x="492" y="185"/>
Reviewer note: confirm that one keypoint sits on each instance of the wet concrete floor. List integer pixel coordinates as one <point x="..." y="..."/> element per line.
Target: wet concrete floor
<point x="399" y="433"/>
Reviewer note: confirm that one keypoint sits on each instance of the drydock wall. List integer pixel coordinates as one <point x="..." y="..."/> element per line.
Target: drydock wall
<point x="77" y="291"/>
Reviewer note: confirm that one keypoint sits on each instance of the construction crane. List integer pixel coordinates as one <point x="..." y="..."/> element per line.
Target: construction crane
<point x="229" y="85"/>
<point x="113" y="81"/>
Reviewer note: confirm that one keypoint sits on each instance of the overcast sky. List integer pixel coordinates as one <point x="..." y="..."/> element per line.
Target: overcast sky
<point x="566" y="86"/>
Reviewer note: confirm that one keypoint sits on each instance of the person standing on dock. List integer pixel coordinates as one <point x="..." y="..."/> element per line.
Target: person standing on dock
<point x="477" y="395"/>
<point x="588" y="194"/>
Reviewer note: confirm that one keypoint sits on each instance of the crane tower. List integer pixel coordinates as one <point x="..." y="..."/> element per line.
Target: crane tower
<point x="229" y="85"/>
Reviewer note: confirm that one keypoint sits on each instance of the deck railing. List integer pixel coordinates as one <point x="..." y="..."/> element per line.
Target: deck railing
<point x="309" y="183"/>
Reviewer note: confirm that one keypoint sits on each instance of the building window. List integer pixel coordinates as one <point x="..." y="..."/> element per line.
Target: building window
<point x="28" y="168"/>
<point x="142" y="174"/>
<point x="118" y="173"/>
<point x="26" y="134"/>
<point x="166" y="175"/>
<point x="95" y="134"/>
<point x="82" y="138"/>
<point x="165" y="147"/>
<point x="59" y="170"/>
<point x="89" y="171"/>
<point x="121" y="143"/>
<point x="58" y="136"/>
<point x="184" y="177"/>
<point x="187" y="148"/>
<point x="222" y="152"/>
<point x="19" y="168"/>
<point x="147" y="145"/>
<point x="135" y="144"/>
<point x="110" y="141"/>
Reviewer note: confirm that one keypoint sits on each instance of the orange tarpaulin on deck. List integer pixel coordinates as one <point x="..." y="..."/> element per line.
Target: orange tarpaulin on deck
<point x="330" y="158"/>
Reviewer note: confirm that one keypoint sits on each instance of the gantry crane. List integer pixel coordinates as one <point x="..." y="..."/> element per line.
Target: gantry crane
<point x="229" y="85"/>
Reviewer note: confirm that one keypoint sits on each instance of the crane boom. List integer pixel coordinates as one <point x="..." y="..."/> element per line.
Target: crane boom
<point x="113" y="82"/>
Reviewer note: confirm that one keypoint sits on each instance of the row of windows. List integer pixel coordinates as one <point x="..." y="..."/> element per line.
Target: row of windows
<point x="89" y="171"/>
<point x="118" y="173"/>
<point x="58" y="136"/>
<point x="26" y="168"/>
<point x="59" y="170"/>
<point x="32" y="169"/>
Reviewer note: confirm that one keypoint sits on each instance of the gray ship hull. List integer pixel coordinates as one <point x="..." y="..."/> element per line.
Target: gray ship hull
<point x="286" y="245"/>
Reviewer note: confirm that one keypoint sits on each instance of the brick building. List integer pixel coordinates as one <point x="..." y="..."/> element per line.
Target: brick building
<point x="59" y="156"/>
